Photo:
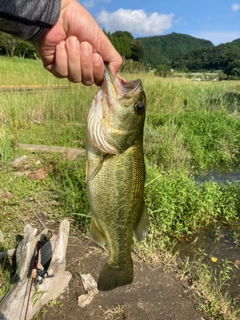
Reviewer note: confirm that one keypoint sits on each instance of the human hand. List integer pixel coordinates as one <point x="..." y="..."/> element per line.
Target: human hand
<point x="76" y="47"/>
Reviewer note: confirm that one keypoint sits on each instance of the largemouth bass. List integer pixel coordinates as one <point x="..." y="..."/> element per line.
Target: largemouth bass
<point x="115" y="174"/>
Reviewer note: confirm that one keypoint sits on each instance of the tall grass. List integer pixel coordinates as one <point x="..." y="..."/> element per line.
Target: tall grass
<point x="189" y="126"/>
<point x="45" y="116"/>
<point x="179" y="205"/>
<point x="16" y="71"/>
<point x="48" y="116"/>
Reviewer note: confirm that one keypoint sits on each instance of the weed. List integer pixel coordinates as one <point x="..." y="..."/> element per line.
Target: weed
<point x="70" y="184"/>
<point x="52" y="303"/>
<point x="5" y="276"/>
<point x="116" y="313"/>
<point x="5" y="149"/>
<point x="225" y="273"/>
<point x="236" y="237"/>
<point x="217" y="303"/>
<point x="36" y="297"/>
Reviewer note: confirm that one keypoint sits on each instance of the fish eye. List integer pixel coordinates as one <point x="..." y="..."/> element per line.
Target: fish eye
<point x="139" y="107"/>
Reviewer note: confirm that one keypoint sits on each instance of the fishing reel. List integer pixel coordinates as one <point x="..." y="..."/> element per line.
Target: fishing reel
<point x="40" y="276"/>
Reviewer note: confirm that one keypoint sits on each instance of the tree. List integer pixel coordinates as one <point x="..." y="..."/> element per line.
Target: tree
<point x="162" y="70"/>
<point x="25" y="49"/>
<point x="224" y="57"/>
<point x="126" y="45"/>
<point x="121" y="34"/>
<point x="233" y="69"/>
<point x="122" y="43"/>
<point x="9" y="43"/>
<point x="131" y="66"/>
<point x="123" y="47"/>
<point x="13" y="46"/>
<point x="137" y="50"/>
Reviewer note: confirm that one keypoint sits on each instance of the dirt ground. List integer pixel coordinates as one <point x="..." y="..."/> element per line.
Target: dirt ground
<point x="155" y="294"/>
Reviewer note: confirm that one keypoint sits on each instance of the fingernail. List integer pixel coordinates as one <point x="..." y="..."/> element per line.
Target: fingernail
<point x="62" y="44"/>
<point x="86" y="48"/>
<point x="97" y="60"/>
<point x="73" y="42"/>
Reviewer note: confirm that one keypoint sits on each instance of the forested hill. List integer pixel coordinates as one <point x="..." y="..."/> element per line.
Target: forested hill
<point x="225" y="57"/>
<point x="164" y="49"/>
<point x="233" y="43"/>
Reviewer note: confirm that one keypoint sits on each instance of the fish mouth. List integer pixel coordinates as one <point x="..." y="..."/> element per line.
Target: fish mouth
<point x="118" y="87"/>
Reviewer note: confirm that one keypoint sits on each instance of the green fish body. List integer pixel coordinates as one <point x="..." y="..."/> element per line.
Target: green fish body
<point x="116" y="174"/>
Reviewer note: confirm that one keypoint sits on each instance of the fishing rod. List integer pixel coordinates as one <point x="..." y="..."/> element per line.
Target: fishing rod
<point x="37" y="275"/>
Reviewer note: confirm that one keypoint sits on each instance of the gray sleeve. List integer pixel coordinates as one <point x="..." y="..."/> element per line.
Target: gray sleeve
<point x="28" y="19"/>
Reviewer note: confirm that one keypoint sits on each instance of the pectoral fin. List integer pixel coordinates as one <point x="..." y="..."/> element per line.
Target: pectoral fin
<point x="96" y="235"/>
<point x="141" y="229"/>
<point x="97" y="169"/>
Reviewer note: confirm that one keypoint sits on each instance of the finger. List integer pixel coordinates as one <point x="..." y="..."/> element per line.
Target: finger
<point x="115" y="65"/>
<point x="86" y="63"/>
<point x="110" y="55"/>
<point x="73" y="58"/>
<point x="60" y="66"/>
<point x="98" y="69"/>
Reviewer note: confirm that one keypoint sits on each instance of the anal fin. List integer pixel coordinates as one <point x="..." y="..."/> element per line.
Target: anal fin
<point x="141" y="228"/>
<point x="96" y="235"/>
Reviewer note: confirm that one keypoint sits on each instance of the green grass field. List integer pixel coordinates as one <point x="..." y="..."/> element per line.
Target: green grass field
<point x="191" y="128"/>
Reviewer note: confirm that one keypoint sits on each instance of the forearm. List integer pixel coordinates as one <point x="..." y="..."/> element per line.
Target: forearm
<point x="28" y="19"/>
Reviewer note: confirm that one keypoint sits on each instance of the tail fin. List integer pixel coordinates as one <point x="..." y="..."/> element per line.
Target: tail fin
<point x="112" y="276"/>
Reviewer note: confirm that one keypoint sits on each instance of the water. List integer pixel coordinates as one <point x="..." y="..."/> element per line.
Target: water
<point x="219" y="176"/>
<point x="213" y="245"/>
<point x="216" y="243"/>
<point x="220" y="241"/>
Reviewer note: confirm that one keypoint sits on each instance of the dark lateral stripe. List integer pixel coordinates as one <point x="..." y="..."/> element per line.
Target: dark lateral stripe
<point x="25" y="21"/>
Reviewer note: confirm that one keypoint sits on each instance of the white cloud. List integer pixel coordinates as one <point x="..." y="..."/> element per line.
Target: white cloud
<point x="218" y="37"/>
<point x="89" y="4"/>
<point x="235" y="7"/>
<point x="92" y="3"/>
<point x="137" y="22"/>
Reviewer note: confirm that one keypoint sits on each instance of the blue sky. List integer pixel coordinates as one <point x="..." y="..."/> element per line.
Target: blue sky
<point x="214" y="20"/>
